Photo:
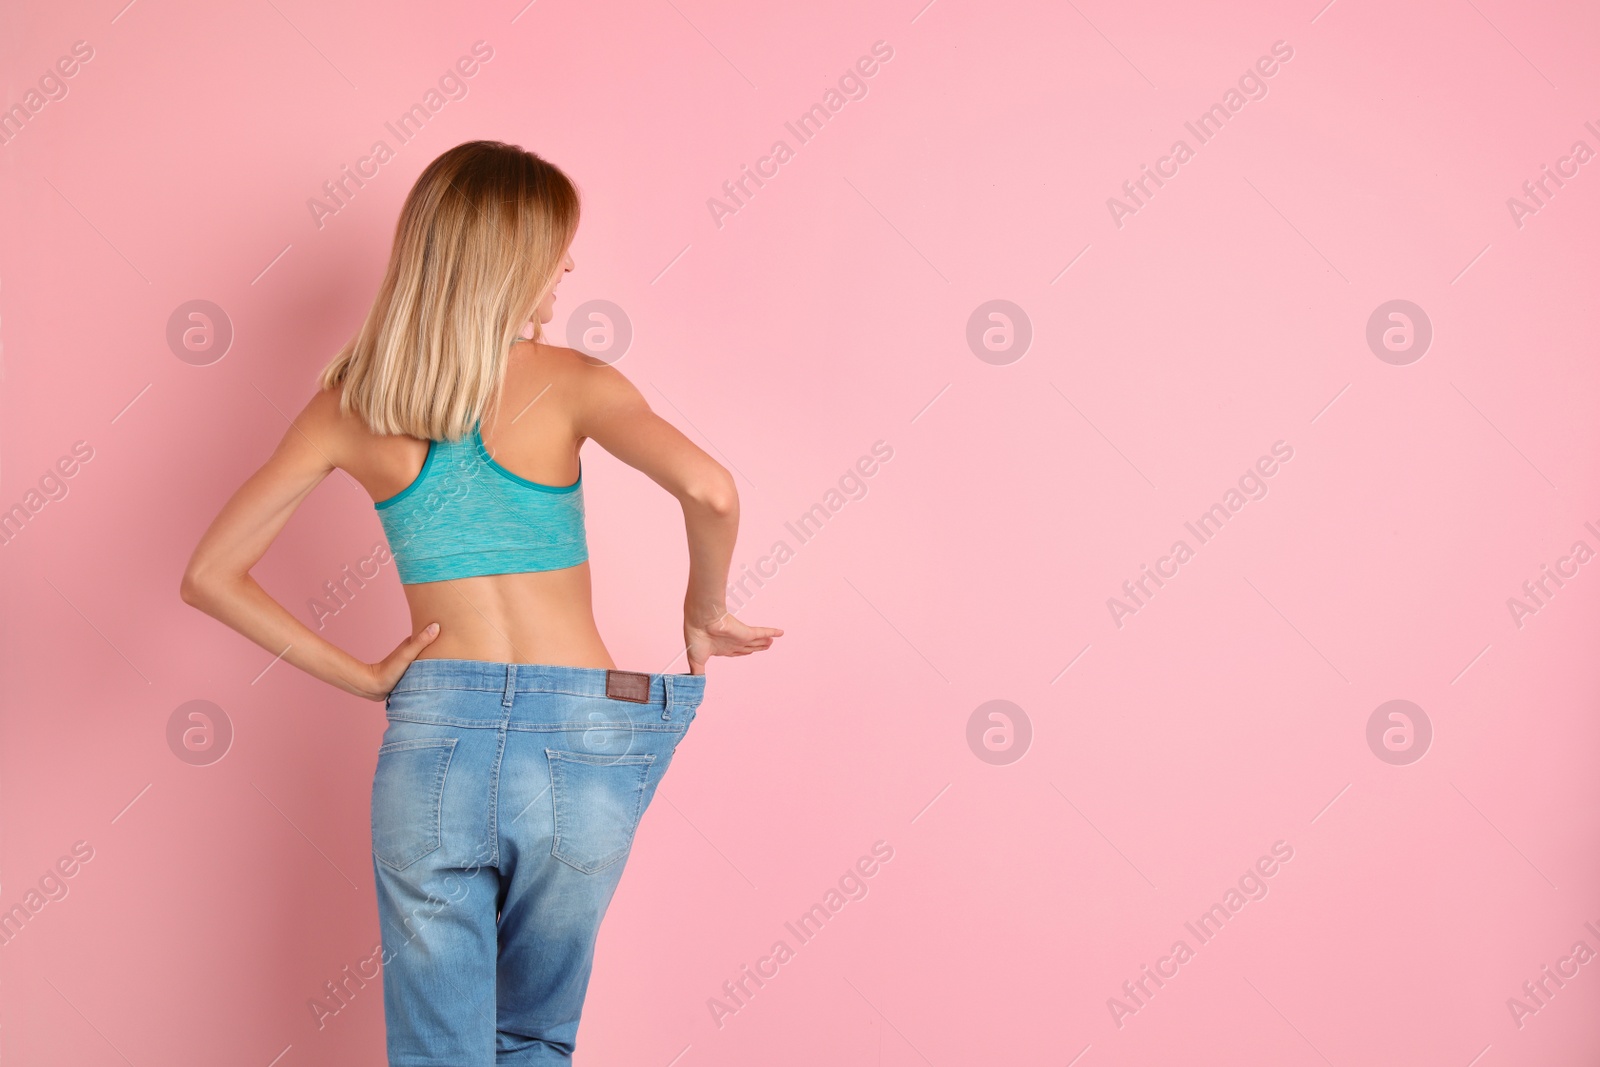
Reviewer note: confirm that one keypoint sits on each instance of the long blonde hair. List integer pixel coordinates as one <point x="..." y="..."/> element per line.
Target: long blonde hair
<point x="480" y="241"/>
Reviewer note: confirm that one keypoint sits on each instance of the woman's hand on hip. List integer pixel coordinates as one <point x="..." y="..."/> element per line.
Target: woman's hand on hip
<point x="383" y="675"/>
<point x="723" y="636"/>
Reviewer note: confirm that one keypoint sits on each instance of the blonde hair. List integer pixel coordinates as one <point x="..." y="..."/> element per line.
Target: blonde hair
<point x="480" y="241"/>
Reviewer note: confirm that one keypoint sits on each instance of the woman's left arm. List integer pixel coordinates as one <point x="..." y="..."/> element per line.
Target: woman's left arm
<point x="218" y="581"/>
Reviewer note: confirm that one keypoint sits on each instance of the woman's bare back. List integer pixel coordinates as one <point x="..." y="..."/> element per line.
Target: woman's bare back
<point x="535" y="617"/>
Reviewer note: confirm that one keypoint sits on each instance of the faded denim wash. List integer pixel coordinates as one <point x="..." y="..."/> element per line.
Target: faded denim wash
<point x="504" y="806"/>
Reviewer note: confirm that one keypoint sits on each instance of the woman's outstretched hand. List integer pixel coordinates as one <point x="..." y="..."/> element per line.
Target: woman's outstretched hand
<point x="723" y="636"/>
<point x="383" y="675"/>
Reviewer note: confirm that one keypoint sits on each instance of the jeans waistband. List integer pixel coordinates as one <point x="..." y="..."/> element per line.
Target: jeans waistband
<point x="661" y="690"/>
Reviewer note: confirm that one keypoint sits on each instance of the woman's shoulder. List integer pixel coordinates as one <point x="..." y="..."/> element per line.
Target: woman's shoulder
<point x="584" y="377"/>
<point x="340" y="434"/>
<point x="382" y="463"/>
<point x="559" y="358"/>
<point x="325" y="412"/>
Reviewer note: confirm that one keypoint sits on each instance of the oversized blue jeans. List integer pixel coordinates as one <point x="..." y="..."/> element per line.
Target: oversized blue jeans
<point x="504" y="806"/>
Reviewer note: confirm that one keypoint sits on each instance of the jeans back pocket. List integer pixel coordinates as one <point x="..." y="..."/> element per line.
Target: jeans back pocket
<point x="598" y="801"/>
<point x="407" y="797"/>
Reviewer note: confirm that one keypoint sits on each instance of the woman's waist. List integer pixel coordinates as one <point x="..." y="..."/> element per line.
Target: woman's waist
<point x="555" y="642"/>
<point x="537" y="617"/>
<point x="467" y="692"/>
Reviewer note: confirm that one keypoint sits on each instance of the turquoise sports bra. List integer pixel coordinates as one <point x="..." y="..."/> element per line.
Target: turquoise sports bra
<point x="466" y="515"/>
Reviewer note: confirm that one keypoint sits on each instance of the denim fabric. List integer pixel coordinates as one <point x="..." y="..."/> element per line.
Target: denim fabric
<point x="504" y="805"/>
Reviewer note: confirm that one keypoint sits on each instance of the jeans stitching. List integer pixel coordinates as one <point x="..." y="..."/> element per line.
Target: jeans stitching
<point x="644" y="761"/>
<point x="532" y="727"/>
<point x="494" y="797"/>
<point x="435" y="802"/>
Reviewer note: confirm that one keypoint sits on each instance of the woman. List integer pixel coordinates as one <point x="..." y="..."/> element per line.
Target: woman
<point x="517" y="760"/>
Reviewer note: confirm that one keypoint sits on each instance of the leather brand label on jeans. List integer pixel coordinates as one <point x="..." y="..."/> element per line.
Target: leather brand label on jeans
<point x="628" y="685"/>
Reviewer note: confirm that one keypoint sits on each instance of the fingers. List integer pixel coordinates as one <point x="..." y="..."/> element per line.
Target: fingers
<point x="409" y="648"/>
<point x="746" y="640"/>
<point x="759" y="632"/>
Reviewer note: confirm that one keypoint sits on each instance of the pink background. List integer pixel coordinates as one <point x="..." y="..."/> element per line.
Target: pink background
<point x="1229" y="713"/>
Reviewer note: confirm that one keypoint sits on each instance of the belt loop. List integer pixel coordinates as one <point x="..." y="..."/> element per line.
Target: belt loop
<point x="666" y="689"/>
<point x="511" y="686"/>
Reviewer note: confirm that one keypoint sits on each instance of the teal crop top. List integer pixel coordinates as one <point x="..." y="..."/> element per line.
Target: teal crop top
<point x="466" y="515"/>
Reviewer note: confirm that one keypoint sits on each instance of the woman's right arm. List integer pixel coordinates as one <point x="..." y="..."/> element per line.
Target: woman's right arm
<point x="616" y="416"/>
<point x="218" y="581"/>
